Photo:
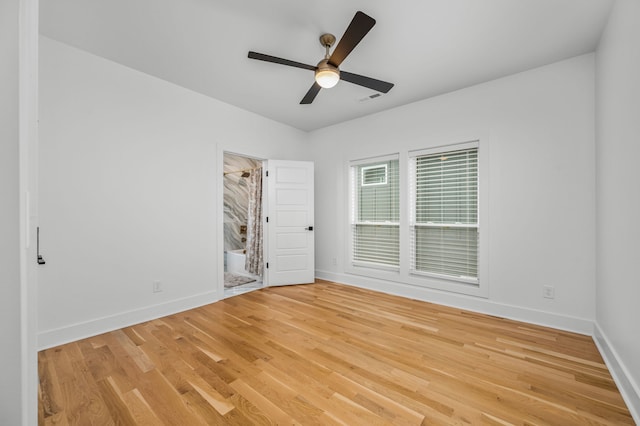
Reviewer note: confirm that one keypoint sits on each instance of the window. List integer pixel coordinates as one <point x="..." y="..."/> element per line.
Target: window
<point x="444" y="213"/>
<point x="415" y="218"/>
<point x="375" y="212"/>
<point x="374" y="175"/>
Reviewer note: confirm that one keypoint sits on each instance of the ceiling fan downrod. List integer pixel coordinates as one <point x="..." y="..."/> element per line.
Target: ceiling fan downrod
<point x="327" y="40"/>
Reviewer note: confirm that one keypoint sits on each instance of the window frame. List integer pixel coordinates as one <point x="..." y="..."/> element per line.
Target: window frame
<point x="354" y="265"/>
<point x="413" y="223"/>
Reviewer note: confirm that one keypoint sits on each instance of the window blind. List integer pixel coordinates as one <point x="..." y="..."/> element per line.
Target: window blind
<point x="444" y="214"/>
<point x="375" y="216"/>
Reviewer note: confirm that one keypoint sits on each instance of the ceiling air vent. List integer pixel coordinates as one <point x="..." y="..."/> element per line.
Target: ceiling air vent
<point x="368" y="98"/>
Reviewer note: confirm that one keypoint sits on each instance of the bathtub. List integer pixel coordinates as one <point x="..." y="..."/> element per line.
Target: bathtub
<point x="235" y="263"/>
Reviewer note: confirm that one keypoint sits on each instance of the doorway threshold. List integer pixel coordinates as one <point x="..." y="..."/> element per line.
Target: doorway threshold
<point x="243" y="288"/>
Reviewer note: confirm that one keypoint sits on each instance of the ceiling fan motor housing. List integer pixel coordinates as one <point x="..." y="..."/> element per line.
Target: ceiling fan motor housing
<point x="327" y="40"/>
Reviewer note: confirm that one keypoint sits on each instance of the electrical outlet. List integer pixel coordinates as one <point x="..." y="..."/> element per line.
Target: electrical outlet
<point x="157" y="286"/>
<point x="548" y="292"/>
<point x="334" y="261"/>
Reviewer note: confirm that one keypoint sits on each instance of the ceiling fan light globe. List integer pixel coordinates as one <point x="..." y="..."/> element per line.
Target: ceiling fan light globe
<point x="327" y="75"/>
<point x="327" y="78"/>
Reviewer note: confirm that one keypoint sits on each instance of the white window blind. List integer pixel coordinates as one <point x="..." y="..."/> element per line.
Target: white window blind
<point x="375" y="215"/>
<point x="444" y="213"/>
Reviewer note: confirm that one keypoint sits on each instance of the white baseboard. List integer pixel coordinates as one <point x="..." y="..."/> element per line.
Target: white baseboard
<point x="461" y="301"/>
<point x="629" y="389"/>
<point x="70" y="333"/>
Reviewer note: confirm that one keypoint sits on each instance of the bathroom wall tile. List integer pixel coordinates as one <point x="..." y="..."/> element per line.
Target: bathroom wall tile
<point x="236" y="199"/>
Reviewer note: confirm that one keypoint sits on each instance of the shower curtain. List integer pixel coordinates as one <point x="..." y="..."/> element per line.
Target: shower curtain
<point x="254" y="261"/>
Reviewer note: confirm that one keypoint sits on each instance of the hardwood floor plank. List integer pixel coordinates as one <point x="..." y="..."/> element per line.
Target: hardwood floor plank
<point x="201" y="407"/>
<point x="116" y="406"/>
<point x="285" y="397"/>
<point x="246" y="413"/>
<point x="328" y="354"/>
<point x="140" y="409"/>
<point x="259" y="400"/>
<point x="137" y="355"/>
<point x="166" y="402"/>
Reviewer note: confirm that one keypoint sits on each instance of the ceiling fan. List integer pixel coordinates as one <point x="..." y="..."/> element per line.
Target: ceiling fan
<point x="327" y="73"/>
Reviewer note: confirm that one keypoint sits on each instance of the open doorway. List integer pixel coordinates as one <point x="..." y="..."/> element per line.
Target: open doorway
<point x="243" y="224"/>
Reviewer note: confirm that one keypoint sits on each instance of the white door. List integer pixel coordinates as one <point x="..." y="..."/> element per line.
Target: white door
<point x="290" y="242"/>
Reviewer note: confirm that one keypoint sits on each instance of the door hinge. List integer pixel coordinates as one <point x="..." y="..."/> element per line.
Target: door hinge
<point x="267" y="173"/>
<point x="267" y="219"/>
<point x="267" y="265"/>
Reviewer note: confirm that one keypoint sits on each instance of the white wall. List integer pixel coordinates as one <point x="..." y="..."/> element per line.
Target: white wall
<point x="618" y="195"/>
<point x="538" y="129"/>
<point x="130" y="171"/>
<point x="10" y="349"/>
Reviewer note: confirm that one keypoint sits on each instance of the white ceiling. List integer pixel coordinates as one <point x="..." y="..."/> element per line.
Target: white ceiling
<point x="425" y="47"/>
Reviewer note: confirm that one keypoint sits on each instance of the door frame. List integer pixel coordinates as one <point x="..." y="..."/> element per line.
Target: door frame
<point x="221" y="151"/>
<point x="26" y="408"/>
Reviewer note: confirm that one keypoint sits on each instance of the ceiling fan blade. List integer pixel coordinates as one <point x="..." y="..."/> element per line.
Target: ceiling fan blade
<point x="276" y="60"/>
<point x="371" y="83"/>
<point x="311" y="94"/>
<point x="357" y="29"/>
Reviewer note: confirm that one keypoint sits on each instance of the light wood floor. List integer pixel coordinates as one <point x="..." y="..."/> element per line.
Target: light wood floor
<point x="326" y="354"/>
